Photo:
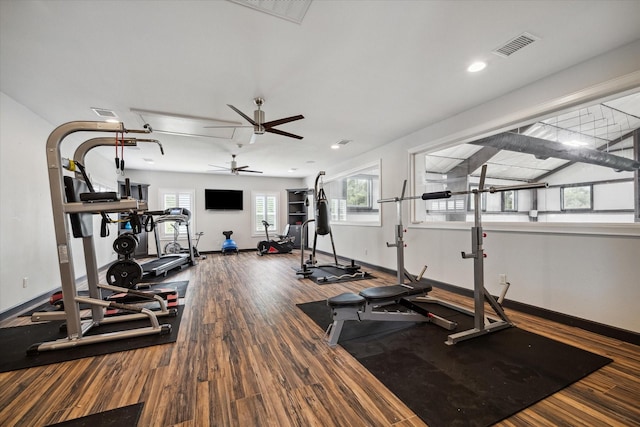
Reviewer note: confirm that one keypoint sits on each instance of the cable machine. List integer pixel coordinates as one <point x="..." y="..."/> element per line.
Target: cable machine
<point x="73" y="200"/>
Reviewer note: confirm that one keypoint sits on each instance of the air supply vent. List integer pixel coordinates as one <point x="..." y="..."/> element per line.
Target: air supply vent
<point x="344" y="141"/>
<point x="515" y="44"/>
<point x="103" y="112"/>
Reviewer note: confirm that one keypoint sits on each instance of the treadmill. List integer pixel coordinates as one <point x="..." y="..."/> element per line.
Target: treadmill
<point x="167" y="262"/>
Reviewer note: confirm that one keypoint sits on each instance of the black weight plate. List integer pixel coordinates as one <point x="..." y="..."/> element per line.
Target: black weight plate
<point x="125" y="244"/>
<point x="124" y="274"/>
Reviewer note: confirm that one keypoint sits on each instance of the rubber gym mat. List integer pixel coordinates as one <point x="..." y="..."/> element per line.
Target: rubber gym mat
<point x="119" y="417"/>
<point x="180" y="286"/>
<point x="473" y="383"/>
<point x="15" y="342"/>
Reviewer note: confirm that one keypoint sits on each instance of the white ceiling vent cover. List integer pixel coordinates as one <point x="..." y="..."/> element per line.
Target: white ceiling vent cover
<point x="103" y="112"/>
<point x="344" y="141"/>
<point x="515" y="44"/>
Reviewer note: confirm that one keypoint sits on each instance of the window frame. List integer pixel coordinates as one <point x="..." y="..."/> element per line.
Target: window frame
<point x="574" y="209"/>
<point x="166" y="232"/>
<point x="256" y="226"/>
<point x="346" y="213"/>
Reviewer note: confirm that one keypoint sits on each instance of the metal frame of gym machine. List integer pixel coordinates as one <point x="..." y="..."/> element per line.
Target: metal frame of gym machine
<point x="77" y="327"/>
<point x="483" y="323"/>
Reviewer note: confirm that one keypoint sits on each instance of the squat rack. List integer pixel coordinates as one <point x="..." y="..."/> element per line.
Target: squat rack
<point x="483" y="324"/>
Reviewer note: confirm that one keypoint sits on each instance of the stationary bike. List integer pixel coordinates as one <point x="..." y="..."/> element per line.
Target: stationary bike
<point x="282" y="246"/>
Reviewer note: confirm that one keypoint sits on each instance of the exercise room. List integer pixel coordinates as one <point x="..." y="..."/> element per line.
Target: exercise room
<point x="319" y="213"/>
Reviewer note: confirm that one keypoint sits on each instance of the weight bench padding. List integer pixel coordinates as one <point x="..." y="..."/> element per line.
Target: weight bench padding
<point x="347" y="299"/>
<point x="389" y="293"/>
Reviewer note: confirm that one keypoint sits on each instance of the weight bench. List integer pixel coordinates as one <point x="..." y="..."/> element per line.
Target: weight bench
<point x="376" y="304"/>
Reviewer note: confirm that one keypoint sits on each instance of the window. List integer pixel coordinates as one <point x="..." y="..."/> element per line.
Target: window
<point x="576" y="197"/>
<point x="359" y="192"/>
<point x="509" y="201"/>
<point x="353" y="196"/>
<point x="265" y="208"/>
<point x="172" y="198"/>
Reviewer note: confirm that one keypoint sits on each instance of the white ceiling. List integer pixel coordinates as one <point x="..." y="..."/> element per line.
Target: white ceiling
<point x="366" y="71"/>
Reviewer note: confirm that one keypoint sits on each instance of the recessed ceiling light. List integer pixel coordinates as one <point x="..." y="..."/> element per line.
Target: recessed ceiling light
<point x="335" y="146"/>
<point x="150" y="161"/>
<point x="477" y="66"/>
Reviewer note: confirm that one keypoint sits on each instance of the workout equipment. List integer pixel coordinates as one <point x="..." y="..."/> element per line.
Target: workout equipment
<point x="271" y="247"/>
<point x="323" y="228"/>
<point x="229" y="245"/>
<point x="174" y="247"/>
<point x="393" y="303"/>
<point x="363" y="306"/>
<point x="167" y="262"/>
<point x="80" y="213"/>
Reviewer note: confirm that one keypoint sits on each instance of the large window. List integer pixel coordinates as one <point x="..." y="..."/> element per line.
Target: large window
<point x="176" y="198"/>
<point x="587" y="157"/>
<point x="353" y="196"/>
<point x="265" y="208"/>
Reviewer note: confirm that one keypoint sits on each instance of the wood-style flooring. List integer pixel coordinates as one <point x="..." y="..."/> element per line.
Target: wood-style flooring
<point x="247" y="356"/>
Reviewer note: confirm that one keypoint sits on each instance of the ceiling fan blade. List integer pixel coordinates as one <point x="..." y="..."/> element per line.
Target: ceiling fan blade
<point x="279" y="132"/>
<point x="247" y="118"/>
<point x="249" y="170"/>
<point x="240" y="168"/>
<point x="216" y="166"/>
<point x="282" y="121"/>
<point x="222" y="127"/>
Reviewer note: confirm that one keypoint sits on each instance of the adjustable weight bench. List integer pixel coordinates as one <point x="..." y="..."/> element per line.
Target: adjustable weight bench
<point x="381" y="304"/>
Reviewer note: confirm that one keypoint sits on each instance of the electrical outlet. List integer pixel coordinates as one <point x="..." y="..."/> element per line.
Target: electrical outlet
<point x="502" y="278"/>
<point x="25" y="282"/>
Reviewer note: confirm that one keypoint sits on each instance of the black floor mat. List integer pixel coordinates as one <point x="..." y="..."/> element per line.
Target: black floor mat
<point x="126" y="416"/>
<point x="473" y="383"/>
<point x="15" y="341"/>
<point x="180" y="286"/>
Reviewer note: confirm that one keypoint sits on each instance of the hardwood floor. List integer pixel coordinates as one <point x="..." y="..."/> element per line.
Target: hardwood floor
<point x="247" y="356"/>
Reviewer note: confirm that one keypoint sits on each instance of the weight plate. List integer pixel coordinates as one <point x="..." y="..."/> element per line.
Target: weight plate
<point x="124" y="274"/>
<point x="125" y="244"/>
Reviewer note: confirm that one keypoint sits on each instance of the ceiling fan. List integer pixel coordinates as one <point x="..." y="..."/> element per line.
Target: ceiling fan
<point x="235" y="169"/>
<point x="260" y="126"/>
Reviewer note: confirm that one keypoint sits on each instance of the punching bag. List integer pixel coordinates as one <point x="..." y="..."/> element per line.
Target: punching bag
<point x="322" y="214"/>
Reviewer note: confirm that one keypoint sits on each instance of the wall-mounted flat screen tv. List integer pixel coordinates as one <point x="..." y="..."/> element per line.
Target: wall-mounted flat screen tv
<point x="223" y="200"/>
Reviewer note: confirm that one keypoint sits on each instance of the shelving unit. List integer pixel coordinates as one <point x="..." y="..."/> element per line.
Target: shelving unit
<point x="297" y="212"/>
<point x="142" y="249"/>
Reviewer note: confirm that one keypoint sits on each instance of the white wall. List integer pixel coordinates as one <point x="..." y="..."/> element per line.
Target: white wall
<point x="213" y="223"/>
<point x="590" y="271"/>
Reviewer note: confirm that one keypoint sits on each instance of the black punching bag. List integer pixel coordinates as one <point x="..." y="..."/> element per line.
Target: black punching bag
<point x="322" y="214"/>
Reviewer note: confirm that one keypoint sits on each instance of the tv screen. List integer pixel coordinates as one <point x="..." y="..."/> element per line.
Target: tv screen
<point x="223" y="199"/>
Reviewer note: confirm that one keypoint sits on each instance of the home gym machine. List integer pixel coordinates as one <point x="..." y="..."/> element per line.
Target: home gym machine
<point x="74" y="200"/>
<point x="270" y="247"/>
<point x="342" y="272"/>
<point x="366" y="304"/>
<point x="167" y="262"/>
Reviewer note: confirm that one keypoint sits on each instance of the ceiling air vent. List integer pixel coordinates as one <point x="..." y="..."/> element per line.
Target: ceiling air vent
<point x="515" y="44"/>
<point x="103" y="112"/>
<point x="344" y="141"/>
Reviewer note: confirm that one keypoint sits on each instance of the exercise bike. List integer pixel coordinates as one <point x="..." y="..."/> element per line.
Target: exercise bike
<point x="174" y="246"/>
<point x="282" y="246"/>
